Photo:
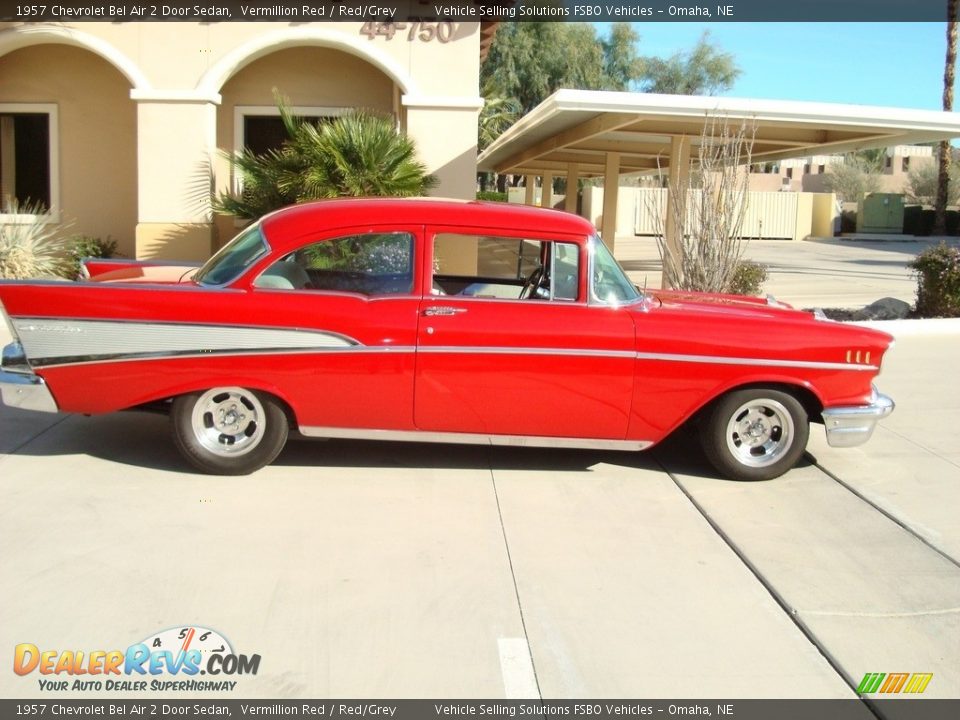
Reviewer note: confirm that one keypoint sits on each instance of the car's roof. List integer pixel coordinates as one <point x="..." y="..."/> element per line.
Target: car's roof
<point x="291" y="223"/>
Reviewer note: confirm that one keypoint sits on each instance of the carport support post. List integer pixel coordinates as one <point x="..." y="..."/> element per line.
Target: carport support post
<point x="546" y="192"/>
<point x="529" y="189"/>
<point x="611" y="189"/>
<point x="573" y="180"/>
<point x="678" y="182"/>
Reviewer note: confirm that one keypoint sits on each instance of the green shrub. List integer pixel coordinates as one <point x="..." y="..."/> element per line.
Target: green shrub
<point x="938" y="281"/>
<point x="29" y="247"/>
<point x="85" y="246"/>
<point x="360" y="154"/>
<point x="918" y="220"/>
<point x="748" y="278"/>
<point x="493" y="196"/>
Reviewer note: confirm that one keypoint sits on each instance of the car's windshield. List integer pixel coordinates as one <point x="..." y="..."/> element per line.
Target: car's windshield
<point x="608" y="283"/>
<point x="233" y="258"/>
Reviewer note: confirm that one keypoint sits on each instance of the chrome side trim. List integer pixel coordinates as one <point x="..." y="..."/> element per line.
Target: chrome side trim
<point x="473" y="438"/>
<point x="490" y="350"/>
<point x="133" y="357"/>
<point x="48" y="340"/>
<point x="761" y="362"/>
<point x="852" y="426"/>
<point x="142" y="263"/>
<point x="26" y="391"/>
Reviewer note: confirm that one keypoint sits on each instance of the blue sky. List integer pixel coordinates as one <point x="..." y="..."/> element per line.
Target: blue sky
<point x="895" y="64"/>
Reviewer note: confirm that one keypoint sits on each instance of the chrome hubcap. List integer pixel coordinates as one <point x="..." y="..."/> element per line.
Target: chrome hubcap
<point x="228" y="421"/>
<point x="760" y="432"/>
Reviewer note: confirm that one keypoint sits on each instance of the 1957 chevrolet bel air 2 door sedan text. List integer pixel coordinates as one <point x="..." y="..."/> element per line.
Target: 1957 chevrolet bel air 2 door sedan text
<point x="439" y="321"/>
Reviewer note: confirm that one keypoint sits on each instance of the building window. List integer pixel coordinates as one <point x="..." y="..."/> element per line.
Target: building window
<point x="888" y="163"/>
<point x="905" y="165"/>
<point x="821" y="169"/>
<point x="790" y="173"/>
<point x="259" y="128"/>
<point x="806" y="168"/>
<point x="28" y="160"/>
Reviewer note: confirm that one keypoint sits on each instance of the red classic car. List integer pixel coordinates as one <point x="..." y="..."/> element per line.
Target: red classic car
<point x="437" y="321"/>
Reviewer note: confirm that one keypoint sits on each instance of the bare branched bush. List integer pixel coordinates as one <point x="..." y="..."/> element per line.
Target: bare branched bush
<point x="29" y="247"/>
<point x="854" y="177"/>
<point x="708" y="211"/>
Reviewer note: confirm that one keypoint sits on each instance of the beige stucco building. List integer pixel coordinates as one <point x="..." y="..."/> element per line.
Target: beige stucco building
<point x="810" y="173"/>
<point x="121" y="128"/>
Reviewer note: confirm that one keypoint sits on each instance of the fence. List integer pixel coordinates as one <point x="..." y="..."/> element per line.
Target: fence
<point x="768" y="215"/>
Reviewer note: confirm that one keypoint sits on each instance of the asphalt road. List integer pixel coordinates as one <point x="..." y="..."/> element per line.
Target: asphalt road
<point x="389" y="570"/>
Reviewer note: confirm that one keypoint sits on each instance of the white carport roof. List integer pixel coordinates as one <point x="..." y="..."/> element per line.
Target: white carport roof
<point x="583" y="126"/>
<point x="582" y="133"/>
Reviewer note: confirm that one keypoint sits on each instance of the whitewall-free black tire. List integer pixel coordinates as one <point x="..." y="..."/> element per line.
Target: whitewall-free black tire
<point x="228" y="430"/>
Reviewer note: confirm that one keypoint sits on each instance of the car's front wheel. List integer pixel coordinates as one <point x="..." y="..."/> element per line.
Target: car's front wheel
<point x="228" y="430"/>
<point x="755" y="433"/>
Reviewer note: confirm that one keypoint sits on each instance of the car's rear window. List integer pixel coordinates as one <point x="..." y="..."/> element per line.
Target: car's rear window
<point x="233" y="258"/>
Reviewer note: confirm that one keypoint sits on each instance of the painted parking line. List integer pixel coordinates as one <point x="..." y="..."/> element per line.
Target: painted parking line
<point x="519" y="680"/>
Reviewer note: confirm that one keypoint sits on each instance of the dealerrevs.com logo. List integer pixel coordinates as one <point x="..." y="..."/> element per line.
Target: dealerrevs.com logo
<point x="169" y="661"/>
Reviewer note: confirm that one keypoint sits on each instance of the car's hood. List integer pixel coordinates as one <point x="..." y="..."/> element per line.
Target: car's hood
<point x="719" y="302"/>
<point x="137" y="271"/>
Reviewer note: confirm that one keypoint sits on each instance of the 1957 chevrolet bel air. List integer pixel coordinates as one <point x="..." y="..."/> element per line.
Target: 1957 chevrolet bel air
<point x="437" y="321"/>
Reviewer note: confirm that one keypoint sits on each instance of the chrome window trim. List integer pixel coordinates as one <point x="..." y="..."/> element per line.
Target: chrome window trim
<point x="553" y="271"/>
<point x="592" y="299"/>
<point x="265" y="252"/>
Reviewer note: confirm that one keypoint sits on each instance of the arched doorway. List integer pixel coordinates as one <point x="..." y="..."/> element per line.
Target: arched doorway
<point x="68" y="130"/>
<point x="316" y="82"/>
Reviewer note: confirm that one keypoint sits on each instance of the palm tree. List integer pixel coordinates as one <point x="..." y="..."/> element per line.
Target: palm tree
<point x="499" y="112"/>
<point x="943" y="177"/>
<point x="360" y="154"/>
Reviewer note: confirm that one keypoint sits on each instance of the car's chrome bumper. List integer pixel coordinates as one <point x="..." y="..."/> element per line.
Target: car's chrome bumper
<point x="851" y="426"/>
<point x="19" y="387"/>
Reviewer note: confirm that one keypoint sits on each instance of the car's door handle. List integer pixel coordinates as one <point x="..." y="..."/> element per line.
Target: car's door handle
<point x="436" y="310"/>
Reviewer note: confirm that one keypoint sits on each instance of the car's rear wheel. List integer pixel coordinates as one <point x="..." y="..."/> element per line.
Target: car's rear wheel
<point x="228" y="430"/>
<point x="755" y="433"/>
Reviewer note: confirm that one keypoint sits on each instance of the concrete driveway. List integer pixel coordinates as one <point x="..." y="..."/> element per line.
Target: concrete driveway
<point x="389" y="570"/>
<point x="827" y="272"/>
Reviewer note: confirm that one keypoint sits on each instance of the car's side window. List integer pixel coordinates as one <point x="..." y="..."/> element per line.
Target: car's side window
<point x="515" y="268"/>
<point x="368" y="263"/>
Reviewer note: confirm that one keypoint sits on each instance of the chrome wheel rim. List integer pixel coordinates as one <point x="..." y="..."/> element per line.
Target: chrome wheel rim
<point x="228" y="421"/>
<point x="760" y="432"/>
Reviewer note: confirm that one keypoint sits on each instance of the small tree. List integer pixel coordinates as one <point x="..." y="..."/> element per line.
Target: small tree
<point x="854" y="177"/>
<point x="708" y="212"/>
<point x="360" y="154"/>
<point x="922" y="184"/>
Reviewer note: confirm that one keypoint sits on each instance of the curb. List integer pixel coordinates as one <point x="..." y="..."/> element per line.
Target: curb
<point x="932" y="326"/>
